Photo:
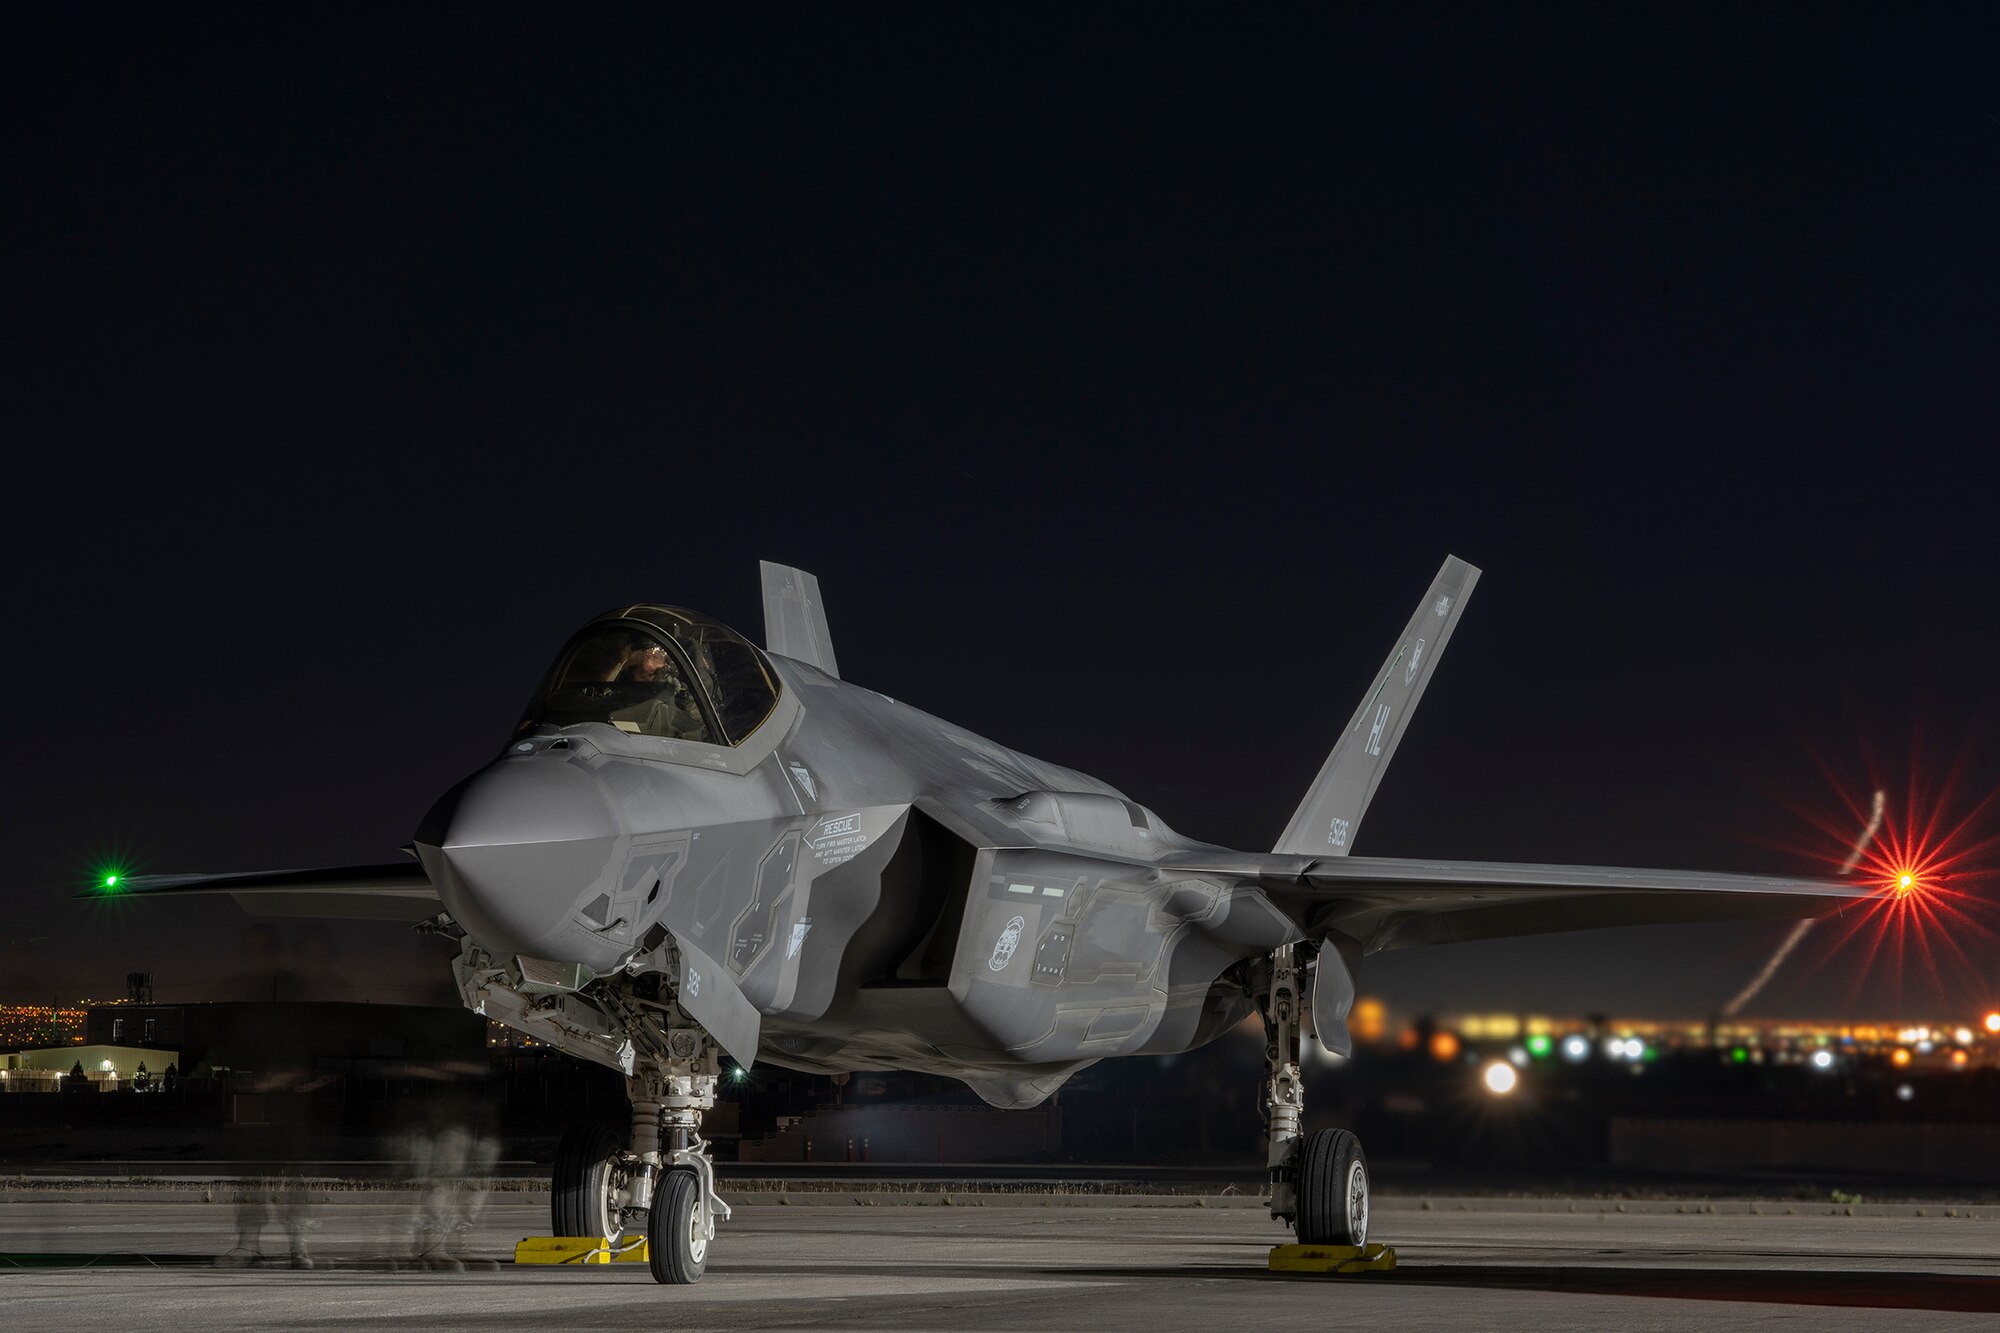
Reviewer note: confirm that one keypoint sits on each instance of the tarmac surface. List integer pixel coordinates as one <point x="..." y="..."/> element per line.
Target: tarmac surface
<point x="84" y="1259"/>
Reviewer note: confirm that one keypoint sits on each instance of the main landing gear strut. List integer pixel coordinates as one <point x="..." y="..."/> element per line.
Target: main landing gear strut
<point x="1318" y="1181"/>
<point x="662" y="1187"/>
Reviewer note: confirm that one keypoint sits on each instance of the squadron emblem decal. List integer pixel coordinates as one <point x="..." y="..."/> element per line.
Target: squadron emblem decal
<point x="1010" y="940"/>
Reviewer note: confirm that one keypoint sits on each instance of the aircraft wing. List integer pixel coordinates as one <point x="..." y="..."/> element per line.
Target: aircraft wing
<point x="398" y="892"/>
<point x="1387" y="903"/>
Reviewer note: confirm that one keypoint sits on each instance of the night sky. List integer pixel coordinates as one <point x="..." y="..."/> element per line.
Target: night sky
<point x="1124" y="376"/>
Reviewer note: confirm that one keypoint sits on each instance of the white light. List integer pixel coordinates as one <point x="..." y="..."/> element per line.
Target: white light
<point x="105" y="1065"/>
<point x="1576" y="1048"/>
<point x="1822" y="1059"/>
<point x="1518" y="1055"/>
<point x="1501" y="1078"/>
<point x="1925" y="1048"/>
<point x="1904" y="1092"/>
<point x="1615" y="1048"/>
<point x="1963" y="1036"/>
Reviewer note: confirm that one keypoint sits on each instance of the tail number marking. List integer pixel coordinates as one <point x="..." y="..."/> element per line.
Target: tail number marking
<point x="1375" y="732"/>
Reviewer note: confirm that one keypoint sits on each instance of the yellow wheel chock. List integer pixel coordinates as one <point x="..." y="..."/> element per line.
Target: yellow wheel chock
<point x="1333" y="1259"/>
<point x="580" y="1250"/>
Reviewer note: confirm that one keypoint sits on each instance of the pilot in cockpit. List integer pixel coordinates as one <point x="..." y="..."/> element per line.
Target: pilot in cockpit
<point x="671" y="712"/>
<point x="643" y="663"/>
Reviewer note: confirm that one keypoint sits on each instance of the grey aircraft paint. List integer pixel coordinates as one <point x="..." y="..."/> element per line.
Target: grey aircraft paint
<point x="854" y="884"/>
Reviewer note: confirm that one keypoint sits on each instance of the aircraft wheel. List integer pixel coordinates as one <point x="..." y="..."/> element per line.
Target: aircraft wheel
<point x="587" y="1175"/>
<point x="1332" y="1189"/>
<point x="677" y="1229"/>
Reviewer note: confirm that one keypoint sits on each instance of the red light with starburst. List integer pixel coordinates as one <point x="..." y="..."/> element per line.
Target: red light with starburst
<point x="1934" y="862"/>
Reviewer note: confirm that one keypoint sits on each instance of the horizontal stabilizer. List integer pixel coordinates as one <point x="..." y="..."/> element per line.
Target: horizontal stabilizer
<point x="795" y="619"/>
<point x="399" y="892"/>
<point x="1330" y="815"/>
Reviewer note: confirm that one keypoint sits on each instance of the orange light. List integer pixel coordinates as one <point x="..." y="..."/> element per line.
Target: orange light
<point x="1444" y="1046"/>
<point x="1958" y="1058"/>
<point x="1993" y="1021"/>
<point x="1900" y="1056"/>
<point x="1905" y="882"/>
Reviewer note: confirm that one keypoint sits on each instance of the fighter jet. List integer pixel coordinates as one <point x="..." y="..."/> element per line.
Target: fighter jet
<point x="691" y="847"/>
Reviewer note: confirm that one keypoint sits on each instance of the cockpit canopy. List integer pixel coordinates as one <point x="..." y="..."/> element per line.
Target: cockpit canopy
<point x="660" y="671"/>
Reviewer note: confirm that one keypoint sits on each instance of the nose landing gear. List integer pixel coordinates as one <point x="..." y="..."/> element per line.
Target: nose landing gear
<point x="1319" y="1181"/>
<point x="682" y="1207"/>
<point x="663" y="1187"/>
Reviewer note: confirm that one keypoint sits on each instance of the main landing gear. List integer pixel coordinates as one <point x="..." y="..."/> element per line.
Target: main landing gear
<point x="1319" y="1181"/>
<point x="663" y="1186"/>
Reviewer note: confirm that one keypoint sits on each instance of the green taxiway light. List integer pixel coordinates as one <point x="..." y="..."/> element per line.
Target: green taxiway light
<point x="1540" y="1044"/>
<point x="111" y="880"/>
<point x="1740" y="1056"/>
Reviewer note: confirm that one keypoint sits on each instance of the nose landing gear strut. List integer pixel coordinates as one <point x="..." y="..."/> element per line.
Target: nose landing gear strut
<point x="663" y="1187"/>
<point x="682" y="1207"/>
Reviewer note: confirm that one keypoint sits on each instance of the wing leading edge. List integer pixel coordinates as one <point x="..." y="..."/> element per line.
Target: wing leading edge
<point x="398" y="892"/>
<point x="1386" y="903"/>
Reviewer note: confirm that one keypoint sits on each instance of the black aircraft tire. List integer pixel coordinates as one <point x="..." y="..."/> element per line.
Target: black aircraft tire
<point x="676" y="1243"/>
<point x="579" y="1192"/>
<point x="1332" y="1189"/>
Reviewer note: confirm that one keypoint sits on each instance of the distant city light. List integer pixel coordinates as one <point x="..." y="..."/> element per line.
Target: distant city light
<point x="1904" y="1092"/>
<point x="1822" y="1059"/>
<point x="1900" y="1056"/>
<point x="1576" y="1047"/>
<point x="1518" y="1055"/>
<point x="1993" y="1021"/>
<point x="1500" y="1078"/>
<point x="1958" y="1059"/>
<point x="1963" y="1036"/>
<point x="1444" y="1046"/>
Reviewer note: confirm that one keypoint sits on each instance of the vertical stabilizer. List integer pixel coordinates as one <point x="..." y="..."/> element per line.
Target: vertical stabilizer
<point x="1331" y="813"/>
<point x="794" y="619"/>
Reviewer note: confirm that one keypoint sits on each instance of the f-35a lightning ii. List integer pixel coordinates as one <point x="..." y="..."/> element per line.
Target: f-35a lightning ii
<point x="692" y="846"/>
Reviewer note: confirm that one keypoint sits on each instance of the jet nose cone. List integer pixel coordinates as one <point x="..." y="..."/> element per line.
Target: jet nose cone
<point x="522" y="845"/>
